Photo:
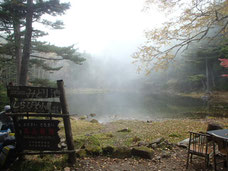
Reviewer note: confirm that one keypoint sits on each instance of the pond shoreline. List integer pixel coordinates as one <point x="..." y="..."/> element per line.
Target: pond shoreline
<point x="108" y="105"/>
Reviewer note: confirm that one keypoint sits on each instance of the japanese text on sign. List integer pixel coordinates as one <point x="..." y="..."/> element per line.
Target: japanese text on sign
<point x="32" y="92"/>
<point x="39" y="134"/>
<point x="36" y="106"/>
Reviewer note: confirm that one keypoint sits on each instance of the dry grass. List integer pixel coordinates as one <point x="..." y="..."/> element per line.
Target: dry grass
<point x="108" y="134"/>
<point x="173" y="130"/>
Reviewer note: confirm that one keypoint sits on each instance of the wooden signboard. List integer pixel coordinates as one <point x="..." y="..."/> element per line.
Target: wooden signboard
<point x="36" y="106"/>
<point x="32" y="92"/>
<point x="39" y="134"/>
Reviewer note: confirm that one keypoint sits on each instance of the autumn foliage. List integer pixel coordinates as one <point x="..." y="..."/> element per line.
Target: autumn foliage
<point x="186" y="23"/>
<point x="224" y="63"/>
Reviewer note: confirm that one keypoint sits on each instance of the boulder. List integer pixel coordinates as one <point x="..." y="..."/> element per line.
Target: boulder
<point x="83" y="117"/>
<point x="156" y="142"/>
<point x="183" y="143"/>
<point x="122" y="152"/>
<point x="92" y="114"/>
<point x="94" y="121"/>
<point x="214" y="126"/>
<point x="143" y="152"/>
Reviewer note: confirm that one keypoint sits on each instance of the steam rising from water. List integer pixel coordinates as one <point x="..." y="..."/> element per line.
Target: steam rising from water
<point x="110" y="87"/>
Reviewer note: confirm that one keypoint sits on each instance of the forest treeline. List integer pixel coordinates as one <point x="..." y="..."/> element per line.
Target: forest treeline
<point x="197" y="69"/>
<point x="182" y="56"/>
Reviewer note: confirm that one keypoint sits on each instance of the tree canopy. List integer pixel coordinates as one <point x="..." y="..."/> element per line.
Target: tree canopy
<point x="186" y="22"/>
<point x="19" y="34"/>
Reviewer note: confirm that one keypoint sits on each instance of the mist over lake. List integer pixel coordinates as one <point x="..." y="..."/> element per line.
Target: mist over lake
<point x="114" y="105"/>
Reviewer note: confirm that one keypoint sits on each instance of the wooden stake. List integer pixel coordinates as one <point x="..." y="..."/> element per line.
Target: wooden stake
<point x="66" y="121"/>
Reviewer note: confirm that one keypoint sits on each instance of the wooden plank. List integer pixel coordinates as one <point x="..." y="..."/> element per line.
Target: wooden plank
<point x="39" y="135"/>
<point x="32" y="92"/>
<point x="39" y="115"/>
<point x="66" y="121"/>
<point x="40" y="144"/>
<point x="36" y="106"/>
<point x="39" y="123"/>
<point x="46" y="152"/>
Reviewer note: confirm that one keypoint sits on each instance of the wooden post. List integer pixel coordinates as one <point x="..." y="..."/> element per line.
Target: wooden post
<point x="66" y="120"/>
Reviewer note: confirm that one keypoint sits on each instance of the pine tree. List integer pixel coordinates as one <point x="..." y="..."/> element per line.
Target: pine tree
<point x="16" y="27"/>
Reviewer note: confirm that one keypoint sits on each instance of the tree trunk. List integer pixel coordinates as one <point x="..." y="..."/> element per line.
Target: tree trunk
<point x="207" y="76"/>
<point x="212" y="77"/>
<point x="27" y="44"/>
<point x="203" y="84"/>
<point x="18" y="50"/>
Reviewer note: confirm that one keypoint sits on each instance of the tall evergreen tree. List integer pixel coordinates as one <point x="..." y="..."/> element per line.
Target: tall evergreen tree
<point x="16" y="20"/>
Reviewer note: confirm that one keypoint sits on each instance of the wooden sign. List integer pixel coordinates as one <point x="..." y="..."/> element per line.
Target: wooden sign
<point x="32" y="92"/>
<point x="36" y="106"/>
<point x="38" y="134"/>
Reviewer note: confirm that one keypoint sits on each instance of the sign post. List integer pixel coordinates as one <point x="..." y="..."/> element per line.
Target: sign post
<point x="40" y="134"/>
<point x="67" y="124"/>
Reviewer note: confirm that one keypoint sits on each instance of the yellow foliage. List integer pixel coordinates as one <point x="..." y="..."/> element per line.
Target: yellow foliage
<point x="189" y="21"/>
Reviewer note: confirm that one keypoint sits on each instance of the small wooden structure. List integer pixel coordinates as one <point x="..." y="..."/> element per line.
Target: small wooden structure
<point x="40" y="136"/>
<point x="198" y="145"/>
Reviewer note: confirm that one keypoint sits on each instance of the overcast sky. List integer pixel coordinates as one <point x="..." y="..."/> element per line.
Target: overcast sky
<point x="102" y="27"/>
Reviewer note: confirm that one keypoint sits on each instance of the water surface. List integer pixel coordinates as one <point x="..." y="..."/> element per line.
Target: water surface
<point x="111" y="105"/>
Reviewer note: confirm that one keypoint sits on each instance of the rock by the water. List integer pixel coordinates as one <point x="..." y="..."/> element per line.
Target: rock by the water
<point x="94" y="121"/>
<point x="92" y="114"/>
<point x="83" y="117"/>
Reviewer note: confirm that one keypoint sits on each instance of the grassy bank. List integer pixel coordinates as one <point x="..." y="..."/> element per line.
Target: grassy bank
<point x="173" y="130"/>
<point x="111" y="134"/>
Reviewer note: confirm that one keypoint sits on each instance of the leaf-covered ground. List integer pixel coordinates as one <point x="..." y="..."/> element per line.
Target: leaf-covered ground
<point x="173" y="130"/>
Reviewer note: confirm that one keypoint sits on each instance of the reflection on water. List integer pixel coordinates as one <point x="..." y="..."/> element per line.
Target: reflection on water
<point x="132" y="105"/>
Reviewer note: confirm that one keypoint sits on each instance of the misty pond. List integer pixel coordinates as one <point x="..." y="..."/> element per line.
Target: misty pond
<point x="114" y="105"/>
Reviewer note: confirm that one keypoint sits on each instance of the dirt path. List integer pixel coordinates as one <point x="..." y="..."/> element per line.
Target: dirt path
<point x="175" y="161"/>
